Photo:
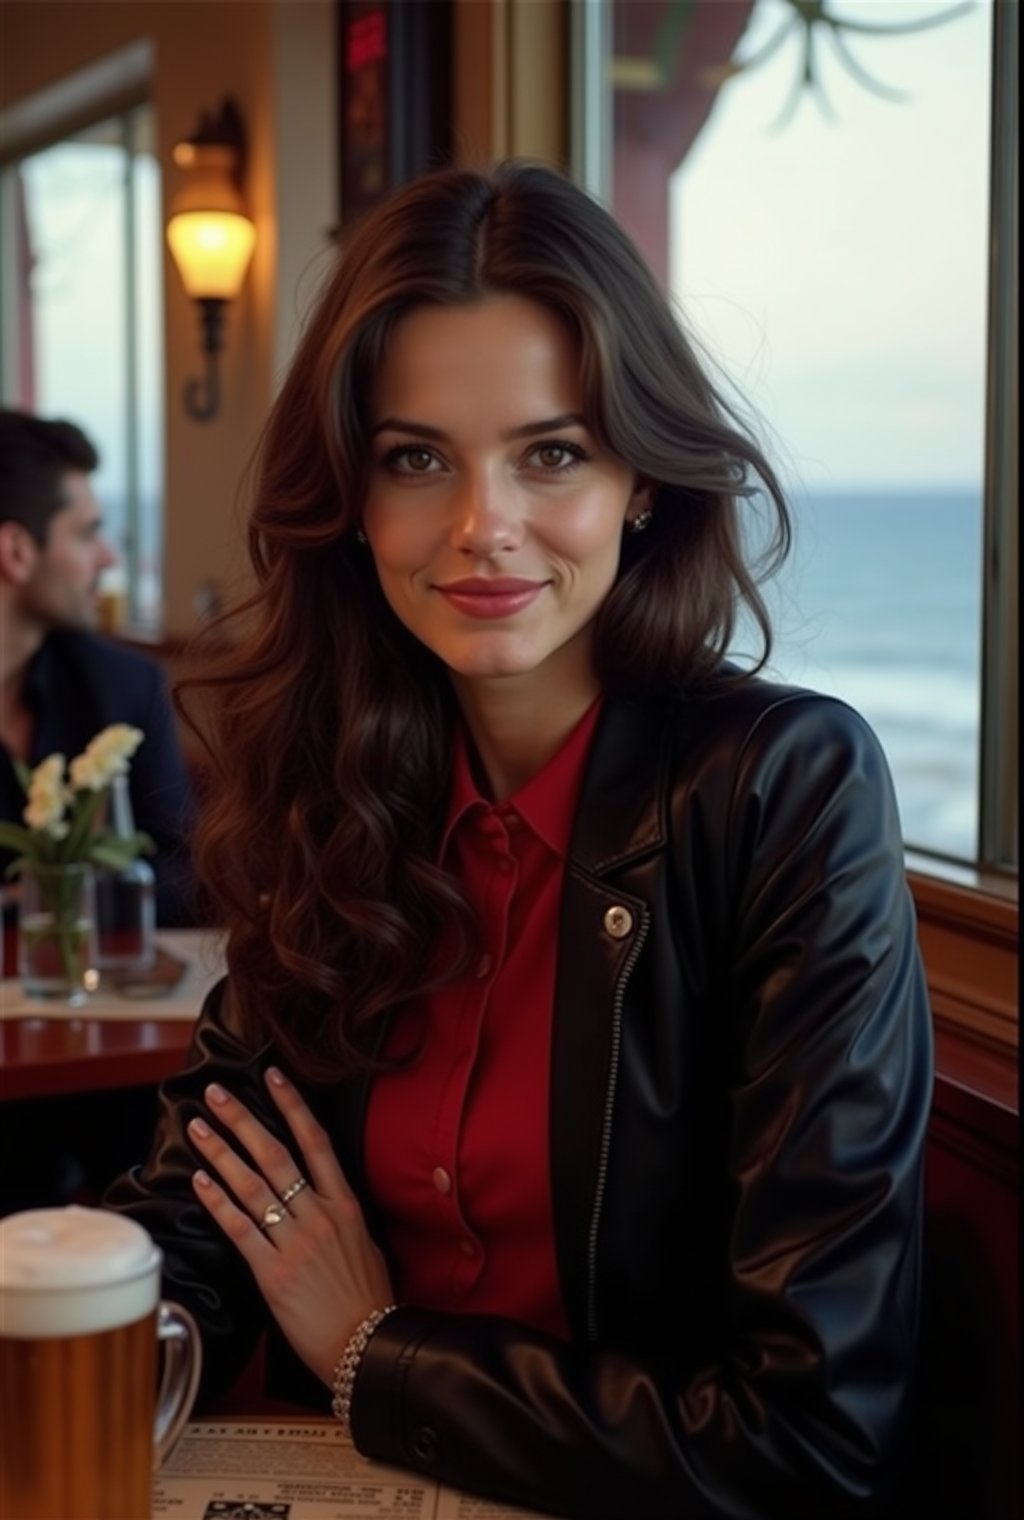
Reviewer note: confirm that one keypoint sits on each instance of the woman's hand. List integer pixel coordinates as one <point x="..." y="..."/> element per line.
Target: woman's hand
<point x="312" y="1256"/>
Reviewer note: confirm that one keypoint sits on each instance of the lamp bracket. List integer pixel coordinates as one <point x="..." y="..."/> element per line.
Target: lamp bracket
<point x="202" y="396"/>
<point x="223" y="128"/>
<point x="211" y="320"/>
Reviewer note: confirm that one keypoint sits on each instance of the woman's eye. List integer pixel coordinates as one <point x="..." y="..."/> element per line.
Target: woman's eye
<point x="558" y="456"/>
<point x="409" y="460"/>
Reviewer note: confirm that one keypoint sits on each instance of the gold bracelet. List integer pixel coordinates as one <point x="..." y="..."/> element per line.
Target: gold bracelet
<point x="344" y="1377"/>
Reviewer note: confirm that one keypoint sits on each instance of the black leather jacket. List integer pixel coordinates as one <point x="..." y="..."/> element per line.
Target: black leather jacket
<point x="741" y="1078"/>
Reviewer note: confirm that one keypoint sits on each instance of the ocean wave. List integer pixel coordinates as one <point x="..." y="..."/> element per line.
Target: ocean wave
<point x="912" y="697"/>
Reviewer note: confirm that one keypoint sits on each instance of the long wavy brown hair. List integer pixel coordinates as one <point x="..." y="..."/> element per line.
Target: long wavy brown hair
<point x="331" y="725"/>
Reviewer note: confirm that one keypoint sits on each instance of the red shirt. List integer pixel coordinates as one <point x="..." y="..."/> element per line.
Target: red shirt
<point x="457" y="1142"/>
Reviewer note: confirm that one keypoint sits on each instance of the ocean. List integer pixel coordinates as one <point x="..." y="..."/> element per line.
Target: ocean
<point x="880" y="604"/>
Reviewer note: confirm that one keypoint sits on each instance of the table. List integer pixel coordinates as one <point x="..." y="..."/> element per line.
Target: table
<point x="112" y="1042"/>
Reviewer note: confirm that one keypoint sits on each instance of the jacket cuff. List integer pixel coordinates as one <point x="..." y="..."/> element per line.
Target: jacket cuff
<point x="383" y="1424"/>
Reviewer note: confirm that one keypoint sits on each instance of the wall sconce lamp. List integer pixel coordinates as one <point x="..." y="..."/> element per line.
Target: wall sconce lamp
<point x="211" y="237"/>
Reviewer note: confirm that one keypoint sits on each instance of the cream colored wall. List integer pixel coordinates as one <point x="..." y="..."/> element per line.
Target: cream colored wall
<point x="306" y="151"/>
<point x="510" y="81"/>
<point x="277" y="60"/>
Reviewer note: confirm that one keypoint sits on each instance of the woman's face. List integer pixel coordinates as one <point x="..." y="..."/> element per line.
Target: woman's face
<point x="493" y="516"/>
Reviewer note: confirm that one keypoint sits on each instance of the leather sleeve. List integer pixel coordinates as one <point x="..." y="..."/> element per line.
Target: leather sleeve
<point x="800" y="1411"/>
<point x="201" y="1268"/>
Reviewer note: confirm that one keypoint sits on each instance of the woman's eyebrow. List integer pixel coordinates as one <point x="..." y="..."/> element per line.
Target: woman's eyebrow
<point x="400" y="425"/>
<point x="437" y="435"/>
<point x="549" y="425"/>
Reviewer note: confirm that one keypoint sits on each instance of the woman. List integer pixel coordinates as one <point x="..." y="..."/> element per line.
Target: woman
<point x="590" y="960"/>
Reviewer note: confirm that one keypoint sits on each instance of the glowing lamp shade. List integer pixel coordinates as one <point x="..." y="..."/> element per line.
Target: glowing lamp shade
<point x="212" y="250"/>
<point x="211" y="238"/>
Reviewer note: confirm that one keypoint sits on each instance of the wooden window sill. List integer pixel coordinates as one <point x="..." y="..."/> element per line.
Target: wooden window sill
<point x="968" y="931"/>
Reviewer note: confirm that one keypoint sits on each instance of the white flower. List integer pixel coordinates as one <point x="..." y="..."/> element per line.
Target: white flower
<point x="47" y="798"/>
<point x="105" y="757"/>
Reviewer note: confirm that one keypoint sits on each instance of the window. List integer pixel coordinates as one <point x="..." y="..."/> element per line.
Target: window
<point x="83" y="329"/>
<point x="825" y="202"/>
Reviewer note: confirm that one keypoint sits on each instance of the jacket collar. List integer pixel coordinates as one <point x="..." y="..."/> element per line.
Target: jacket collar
<point x="621" y="811"/>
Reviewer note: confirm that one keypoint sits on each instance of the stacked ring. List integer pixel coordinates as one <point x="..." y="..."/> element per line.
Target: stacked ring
<point x="294" y="1188"/>
<point x="273" y="1214"/>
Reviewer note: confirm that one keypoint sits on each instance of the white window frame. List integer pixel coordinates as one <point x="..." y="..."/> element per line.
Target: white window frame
<point x="112" y="88"/>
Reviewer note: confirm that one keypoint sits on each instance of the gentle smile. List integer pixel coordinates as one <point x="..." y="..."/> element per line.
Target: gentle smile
<point x="485" y="598"/>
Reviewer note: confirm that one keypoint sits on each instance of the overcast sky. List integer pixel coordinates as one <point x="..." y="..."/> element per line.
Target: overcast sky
<point x="839" y="267"/>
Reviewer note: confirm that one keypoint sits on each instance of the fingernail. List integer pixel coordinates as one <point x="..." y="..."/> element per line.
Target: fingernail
<point x="216" y="1093"/>
<point x="275" y="1076"/>
<point x="201" y="1179"/>
<point x="201" y="1128"/>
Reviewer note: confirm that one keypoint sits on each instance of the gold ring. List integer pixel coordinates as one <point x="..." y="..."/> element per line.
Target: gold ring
<point x="293" y="1189"/>
<point x="273" y="1214"/>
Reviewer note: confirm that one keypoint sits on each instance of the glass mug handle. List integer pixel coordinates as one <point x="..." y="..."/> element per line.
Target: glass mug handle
<point x="179" y="1381"/>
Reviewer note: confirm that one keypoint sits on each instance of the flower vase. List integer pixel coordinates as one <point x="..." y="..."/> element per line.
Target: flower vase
<point x="57" y="932"/>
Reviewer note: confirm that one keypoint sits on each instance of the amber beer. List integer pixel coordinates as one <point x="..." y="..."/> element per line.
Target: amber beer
<point x="81" y="1417"/>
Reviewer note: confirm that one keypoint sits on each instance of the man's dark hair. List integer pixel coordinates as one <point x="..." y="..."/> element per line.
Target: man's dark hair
<point x="35" y="455"/>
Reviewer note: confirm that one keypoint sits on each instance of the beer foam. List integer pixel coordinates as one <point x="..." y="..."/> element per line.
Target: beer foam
<point x="74" y="1271"/>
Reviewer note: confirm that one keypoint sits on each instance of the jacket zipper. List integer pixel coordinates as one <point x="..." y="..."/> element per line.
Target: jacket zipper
<point x="606" y="1128"/>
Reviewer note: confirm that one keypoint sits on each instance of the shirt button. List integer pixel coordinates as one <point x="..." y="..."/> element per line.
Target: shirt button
<point x="442" y="1181"/>
<point x="467" y="1247"/>
<point x="618" y="922"/>
<point x="484" y="966"/>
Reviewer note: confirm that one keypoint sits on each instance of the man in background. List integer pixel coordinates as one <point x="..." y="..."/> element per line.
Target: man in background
<point x="60" y="683"/>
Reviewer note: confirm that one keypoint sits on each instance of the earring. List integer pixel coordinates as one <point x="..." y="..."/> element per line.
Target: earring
<point x="641" y="521"/>
<point x="361" y="537"/>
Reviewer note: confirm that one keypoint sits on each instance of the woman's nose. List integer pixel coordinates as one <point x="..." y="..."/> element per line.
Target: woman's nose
<point x="486" y="520"/>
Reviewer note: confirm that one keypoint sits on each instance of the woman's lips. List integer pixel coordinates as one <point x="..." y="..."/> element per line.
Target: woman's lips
<point x="491" y="598"/>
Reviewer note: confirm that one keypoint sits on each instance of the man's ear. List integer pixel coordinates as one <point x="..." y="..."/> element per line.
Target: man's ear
<point x="19" y="553"/>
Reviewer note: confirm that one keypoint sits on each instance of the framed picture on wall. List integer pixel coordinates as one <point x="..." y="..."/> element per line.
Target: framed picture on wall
<point x="394" y="96"/>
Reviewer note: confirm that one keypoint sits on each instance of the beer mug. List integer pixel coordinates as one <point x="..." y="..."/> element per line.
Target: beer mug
<point x="82" y="1422"/>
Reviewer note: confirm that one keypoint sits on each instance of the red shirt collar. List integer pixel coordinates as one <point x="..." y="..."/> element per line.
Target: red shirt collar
<point x="547" y="803"/>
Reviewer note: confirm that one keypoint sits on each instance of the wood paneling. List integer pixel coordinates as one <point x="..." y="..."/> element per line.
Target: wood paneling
<point x="964" y="1462"/>
<point x="969" y="939"/>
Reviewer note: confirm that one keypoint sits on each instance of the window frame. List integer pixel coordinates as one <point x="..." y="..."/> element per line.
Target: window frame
<point x="114" y="89"/>
<point x="1000" y="692"/>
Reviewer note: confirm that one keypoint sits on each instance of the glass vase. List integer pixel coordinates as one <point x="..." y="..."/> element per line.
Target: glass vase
<point x="57" y="932"/>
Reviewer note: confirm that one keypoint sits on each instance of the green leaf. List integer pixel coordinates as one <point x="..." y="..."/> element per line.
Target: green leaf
<point x="130" y="846"/>
<point x="113" y="856"/>
<point x="47" y="849"/>
<point x="87" y="805"/>
<point x="14" y="837"/>
<point x="23" y="773"/>
<point x="115" y="852"/>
